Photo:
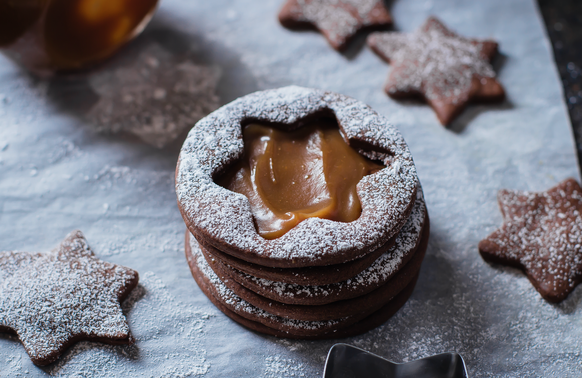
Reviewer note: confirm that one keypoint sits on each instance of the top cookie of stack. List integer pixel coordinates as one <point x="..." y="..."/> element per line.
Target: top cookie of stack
<point x="322" y="277"/>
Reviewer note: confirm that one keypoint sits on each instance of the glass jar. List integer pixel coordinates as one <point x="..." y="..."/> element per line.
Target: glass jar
<point x="55" y="35"/>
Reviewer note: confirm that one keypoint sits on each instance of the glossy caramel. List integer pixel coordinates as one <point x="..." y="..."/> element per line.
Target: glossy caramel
<point x="78" y="32"/>
<point x="291" y="176"/>
<point x="71" y="34"/>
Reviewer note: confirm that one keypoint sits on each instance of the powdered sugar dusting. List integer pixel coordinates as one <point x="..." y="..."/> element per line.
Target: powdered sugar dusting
<point x="338" y="19"/>
<point x="277" y="367"/>
<point x="433" y="61"/>
<point x="51" y="298"/>
<point x="225" y="217"/>
<point x="374" y="276"/>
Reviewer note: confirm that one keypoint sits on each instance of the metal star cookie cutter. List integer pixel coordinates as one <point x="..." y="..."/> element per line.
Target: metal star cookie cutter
<point x="346" y="361"/>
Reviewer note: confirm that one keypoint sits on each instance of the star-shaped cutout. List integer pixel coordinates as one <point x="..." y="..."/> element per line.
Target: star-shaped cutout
<point x="52" y="300"/>
<point x="434" y="63"/>
<point x="337" y="20"/>
<point x="542" y="235"/>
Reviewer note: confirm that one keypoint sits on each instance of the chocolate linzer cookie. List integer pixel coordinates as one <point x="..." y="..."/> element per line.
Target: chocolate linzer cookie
<point x="407" y="254"/>
<point x="313" y="275"/>
<point x="434" y="63"/>
<point x="354" y="308"/>
<point x="375" y="320"/>
<point x="229" y="302"/>
<point x="223" y="218"/>
<point x="542" y="235"/>
<point x="337" y="20"/>
<point x="358" y="306"/>
<point x="52" y="300"/>
<point x="301" y="183"/>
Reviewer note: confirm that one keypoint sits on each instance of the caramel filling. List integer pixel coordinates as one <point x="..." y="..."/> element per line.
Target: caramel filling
<point x="78" y="32"/>
<point x="291" y="176"/>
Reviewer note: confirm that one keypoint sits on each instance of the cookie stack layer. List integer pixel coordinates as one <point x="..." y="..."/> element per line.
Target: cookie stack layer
<point x="336" y="309"/>
<point x="322" y="279"/>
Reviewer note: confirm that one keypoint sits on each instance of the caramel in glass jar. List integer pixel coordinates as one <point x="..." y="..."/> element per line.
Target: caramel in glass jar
<point x="291" y="176"/>
<point x="69" y="34"/>
<point x="16" y="17"/>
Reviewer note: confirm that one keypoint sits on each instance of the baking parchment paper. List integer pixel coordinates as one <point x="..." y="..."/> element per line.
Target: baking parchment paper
<point x="59" y="171"/>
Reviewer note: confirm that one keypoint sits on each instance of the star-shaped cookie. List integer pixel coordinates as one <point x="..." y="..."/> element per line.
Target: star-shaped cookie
<point x="52" y="300"/>
<point x="434" y="63"/>
<point x="337" y="20"/>
<point x="542" y="235"/>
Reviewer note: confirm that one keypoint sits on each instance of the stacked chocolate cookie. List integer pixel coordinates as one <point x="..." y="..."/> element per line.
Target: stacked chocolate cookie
<point x="323" y="278"/>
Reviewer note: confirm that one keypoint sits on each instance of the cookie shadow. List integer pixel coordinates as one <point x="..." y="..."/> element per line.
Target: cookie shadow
<point x="569" y="305"/>
<point x="358" y="42"/>
<point x="499" y="62"/>
<point x="473" y="110"/>
<point x="9" y="335"/>
<point x="355" y="45"/>
<point x="155" y="89"/>
<point x="352" y="48"/>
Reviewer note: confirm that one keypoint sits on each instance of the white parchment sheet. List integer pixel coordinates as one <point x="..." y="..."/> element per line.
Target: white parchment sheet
<point x="60" y="172"/>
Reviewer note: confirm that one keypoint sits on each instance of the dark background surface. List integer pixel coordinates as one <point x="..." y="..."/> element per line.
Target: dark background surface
<point x="564" y="24"/>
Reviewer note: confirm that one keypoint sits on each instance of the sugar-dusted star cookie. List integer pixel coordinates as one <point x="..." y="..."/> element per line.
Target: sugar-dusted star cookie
<point x="542" y="235"/>
<point x="434" y="63"/>
<point x="337" y="20"/>
<point x="52" y="300"/>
